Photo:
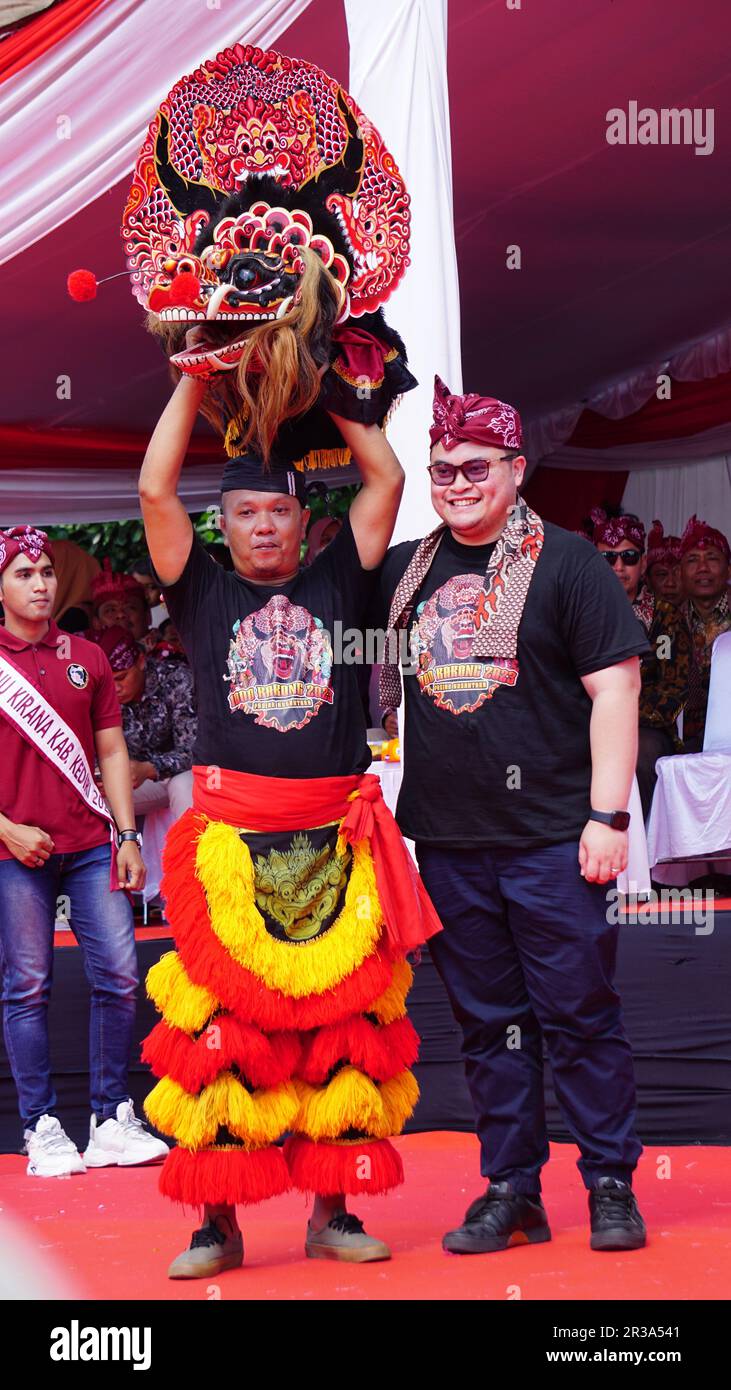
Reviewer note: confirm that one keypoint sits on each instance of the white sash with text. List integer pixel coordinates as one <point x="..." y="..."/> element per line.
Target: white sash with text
<point x="40" y="725"/>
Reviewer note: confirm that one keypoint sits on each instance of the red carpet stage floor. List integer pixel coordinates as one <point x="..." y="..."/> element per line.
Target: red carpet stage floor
<point x="109" y="1234"/>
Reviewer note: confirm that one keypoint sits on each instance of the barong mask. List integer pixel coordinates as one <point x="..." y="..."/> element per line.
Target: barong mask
<point x="266" y="208"/>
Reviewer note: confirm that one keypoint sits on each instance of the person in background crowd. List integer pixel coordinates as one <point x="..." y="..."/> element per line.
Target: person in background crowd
<point x="704" y="564"/>
<point x="319" y="536"/>
<point x="137" y="613"/>
<point x="663" y="565"/>
<point x="119" y="601"/>
<point x="620" y="538"/>
<point x="142" y="573"/>
<point x="170" y="646"/>
<point x="74" y="571"/>
<point x="159" y="722"/>
<point x="520" y="744"/>
<point x="55" y="841"/>
<point x="665" y="669"/>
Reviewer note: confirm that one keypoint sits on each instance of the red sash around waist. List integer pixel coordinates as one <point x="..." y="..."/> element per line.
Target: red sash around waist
<point x="273" y="804"/>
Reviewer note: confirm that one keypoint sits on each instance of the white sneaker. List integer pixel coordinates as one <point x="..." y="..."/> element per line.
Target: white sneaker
<point x="51" y="1154"/>
<point x="124" y="1141"/>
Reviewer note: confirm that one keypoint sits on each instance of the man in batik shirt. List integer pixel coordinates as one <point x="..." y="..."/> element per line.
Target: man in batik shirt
<point x="159" y="721"/>
<point x="663" y="565"/>
<point x="665" y="668"/>
<point x="705" y="559"/>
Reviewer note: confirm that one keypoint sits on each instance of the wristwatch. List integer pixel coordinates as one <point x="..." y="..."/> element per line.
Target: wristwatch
<point x="123" y="835"/>
<point x="616" y="820"/>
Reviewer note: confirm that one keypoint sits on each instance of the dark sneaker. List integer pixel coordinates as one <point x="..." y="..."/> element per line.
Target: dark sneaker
<point x="211" y="1251"/>
<point x="344" y="1239"/>
<point x="616" y="1223"/>
<point x="497" y="1220"/>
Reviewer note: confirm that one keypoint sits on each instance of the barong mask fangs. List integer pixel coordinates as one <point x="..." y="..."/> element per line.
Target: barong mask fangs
<point x="250" y="163"/>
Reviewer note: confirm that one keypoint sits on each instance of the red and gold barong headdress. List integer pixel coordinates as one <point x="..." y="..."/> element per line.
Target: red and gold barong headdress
<point x="23" y="540"/>
<point x="266" y="210"/>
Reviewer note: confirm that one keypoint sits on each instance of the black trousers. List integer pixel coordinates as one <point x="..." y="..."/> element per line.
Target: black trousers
<point x="527" y="952"/>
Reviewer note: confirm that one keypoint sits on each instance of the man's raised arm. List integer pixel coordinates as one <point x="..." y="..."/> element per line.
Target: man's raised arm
<point x="168" y="527"/>
<point x="373" y="513"/>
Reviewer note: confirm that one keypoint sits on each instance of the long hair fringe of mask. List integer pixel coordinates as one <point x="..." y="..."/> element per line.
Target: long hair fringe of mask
<point x="278" y="375"/>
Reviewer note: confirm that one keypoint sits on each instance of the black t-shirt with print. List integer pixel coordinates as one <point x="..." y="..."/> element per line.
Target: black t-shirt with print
<point x="491" y="759"/>
<point x="271" y="700"/>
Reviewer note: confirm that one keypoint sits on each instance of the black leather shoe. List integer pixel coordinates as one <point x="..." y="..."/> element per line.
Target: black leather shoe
<point x="616" y="1223"/>
<point x="498" y="1219"/>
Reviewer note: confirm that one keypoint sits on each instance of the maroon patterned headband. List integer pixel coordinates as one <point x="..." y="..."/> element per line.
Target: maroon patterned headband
<point x="120" y="649"/>
<point x="483" y="419"/>
<point x="612" y="530"/>
<point x="661" y="548"/>
<point x="23" y="540"/>
<point x="698" y="535"/>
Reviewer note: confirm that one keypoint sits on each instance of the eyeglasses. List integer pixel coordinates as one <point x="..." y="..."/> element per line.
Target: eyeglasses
<point x="628" y="557"/>
<point x="475" y="470"/>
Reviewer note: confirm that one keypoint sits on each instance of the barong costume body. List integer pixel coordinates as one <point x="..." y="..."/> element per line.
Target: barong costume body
<point x="266" y="209"/>
<point x="292" y="899"/>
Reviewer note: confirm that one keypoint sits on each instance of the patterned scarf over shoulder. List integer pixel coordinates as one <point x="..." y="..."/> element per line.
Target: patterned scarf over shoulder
<point x="497" y="619"/>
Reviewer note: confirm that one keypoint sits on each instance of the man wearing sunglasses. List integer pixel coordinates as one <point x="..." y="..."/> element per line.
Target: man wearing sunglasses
<point x="665" y="671"/>
<point x="620" y="538"/>
<point x="520" y="745"/>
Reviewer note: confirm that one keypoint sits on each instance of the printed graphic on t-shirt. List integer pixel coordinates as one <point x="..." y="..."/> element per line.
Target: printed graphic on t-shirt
<point x="280" y="665"/>
<point x="443" y="637"/>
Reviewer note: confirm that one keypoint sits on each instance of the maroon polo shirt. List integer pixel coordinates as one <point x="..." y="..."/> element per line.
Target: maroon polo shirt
<point x="31" y="791"/>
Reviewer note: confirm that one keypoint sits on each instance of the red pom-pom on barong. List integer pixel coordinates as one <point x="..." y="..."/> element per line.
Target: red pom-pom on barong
<point x="82" y="284"/>
<point x="185" y="288"/>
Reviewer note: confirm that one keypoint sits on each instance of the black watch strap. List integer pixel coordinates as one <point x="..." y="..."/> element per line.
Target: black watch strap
<point x="616" y="820"/>
<point x="127" y="835"/>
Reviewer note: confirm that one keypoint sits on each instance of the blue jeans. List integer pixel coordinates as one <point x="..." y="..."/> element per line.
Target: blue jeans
<point x="527" y="953"/>
<point x="103" y="924"/>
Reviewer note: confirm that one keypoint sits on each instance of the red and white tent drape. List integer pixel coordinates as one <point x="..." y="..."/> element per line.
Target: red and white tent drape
<point x="668" y="454"/>
<point x="659" y="441"/>
<point x="73" y="117"/>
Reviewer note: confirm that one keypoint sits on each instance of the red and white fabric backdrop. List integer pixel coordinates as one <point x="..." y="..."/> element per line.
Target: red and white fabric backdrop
<point x="662" y="454"/>
<point x="398" y="74"/>
<point x="59" y="147"/>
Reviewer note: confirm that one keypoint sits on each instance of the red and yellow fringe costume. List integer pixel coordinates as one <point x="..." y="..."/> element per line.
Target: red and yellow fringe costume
<point x="261" y="1036"/>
